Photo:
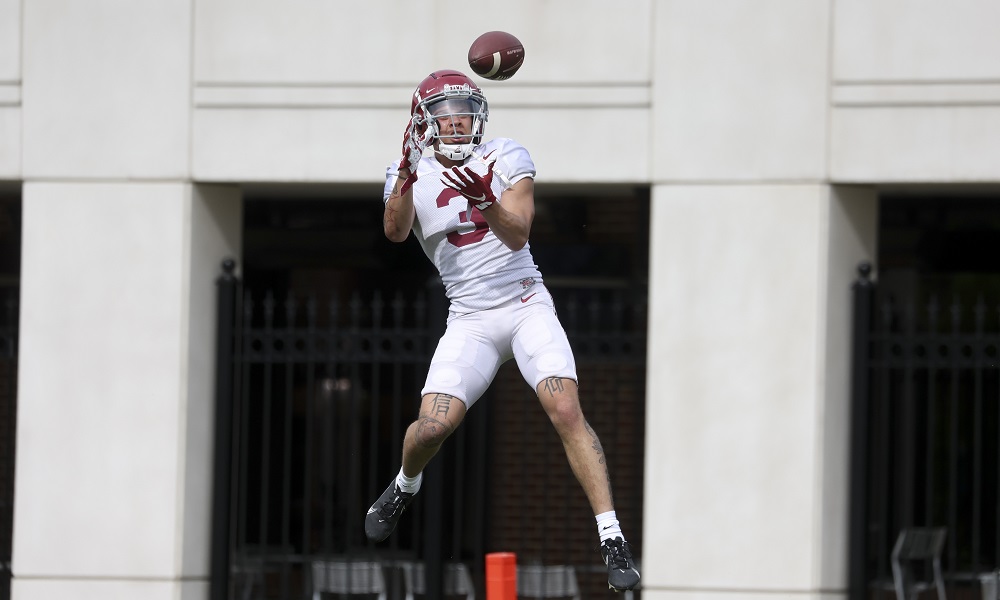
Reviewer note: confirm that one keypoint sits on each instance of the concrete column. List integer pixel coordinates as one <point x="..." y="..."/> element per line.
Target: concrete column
<point x="746" y="464"/>
<point x="115" y="407"/>
<point x="752" y="255"/>
<point x="120" y="255"/>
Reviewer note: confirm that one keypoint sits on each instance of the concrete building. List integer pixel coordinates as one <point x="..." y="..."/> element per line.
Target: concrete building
<point x="764" y="129"/>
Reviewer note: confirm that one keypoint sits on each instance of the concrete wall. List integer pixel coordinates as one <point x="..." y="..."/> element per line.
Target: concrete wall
<point x="763" y="129"/>
<point x="287" y="91"/>
<point x="740" y="91"/>
<point x="106" y="89"/>
<point x="10" y="89"/>
<point x="915" y="92"/>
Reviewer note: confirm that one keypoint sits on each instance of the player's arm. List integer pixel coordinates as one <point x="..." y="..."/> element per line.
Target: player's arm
<point x="510" y="219"/>
<point x="399" y="212"/>
<point x="397" y="221"/>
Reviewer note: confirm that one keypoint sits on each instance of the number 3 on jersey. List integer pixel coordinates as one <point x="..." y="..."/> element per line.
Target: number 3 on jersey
<point x="464" y="239"/>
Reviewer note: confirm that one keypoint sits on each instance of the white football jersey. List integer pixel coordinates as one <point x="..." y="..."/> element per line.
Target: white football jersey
<point x="477" y="269"/>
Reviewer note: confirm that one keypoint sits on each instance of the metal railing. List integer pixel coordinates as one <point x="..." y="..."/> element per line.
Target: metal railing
<point x="314" y="395"/>
<point x="926" y="423"/>
<point x="8" y="423"/>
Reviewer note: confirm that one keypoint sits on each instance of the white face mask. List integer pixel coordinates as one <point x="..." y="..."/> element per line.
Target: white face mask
<point x="455" y="108"/>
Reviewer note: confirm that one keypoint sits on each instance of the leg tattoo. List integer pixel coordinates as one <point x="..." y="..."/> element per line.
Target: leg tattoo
<point x="601" y="459"/>
<point x="433" y="428"/>
<point x="441" y="404"/>
<point x="597" y="443"/>
<point x="553" y="385"/>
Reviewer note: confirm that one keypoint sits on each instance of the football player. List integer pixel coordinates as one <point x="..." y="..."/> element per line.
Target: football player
<point x="470" y="204"/>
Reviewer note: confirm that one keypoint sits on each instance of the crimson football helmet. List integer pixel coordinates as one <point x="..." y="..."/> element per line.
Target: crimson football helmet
<point x="444" y="95"/>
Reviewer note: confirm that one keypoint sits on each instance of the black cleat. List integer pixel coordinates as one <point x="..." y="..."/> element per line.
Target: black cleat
<point x="622" y="574"/>
<point x="384" y="514"/>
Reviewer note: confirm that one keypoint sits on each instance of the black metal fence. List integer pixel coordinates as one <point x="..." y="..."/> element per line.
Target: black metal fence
<point x="926" y="423"/>
<point x="314" y="396"/>
<point x="8" y="423"/>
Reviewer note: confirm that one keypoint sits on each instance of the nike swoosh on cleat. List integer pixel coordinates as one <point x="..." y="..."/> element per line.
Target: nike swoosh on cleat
<point x="523" y="300"/>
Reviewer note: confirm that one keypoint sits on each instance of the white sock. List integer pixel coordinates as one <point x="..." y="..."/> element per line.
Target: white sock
<point x="607" y="526"/>
<point x="410" y="485"/>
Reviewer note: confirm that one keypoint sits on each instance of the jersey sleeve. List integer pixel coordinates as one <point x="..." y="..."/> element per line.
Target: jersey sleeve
<point x="513" y="163"/>
<point x="391" y="172"/>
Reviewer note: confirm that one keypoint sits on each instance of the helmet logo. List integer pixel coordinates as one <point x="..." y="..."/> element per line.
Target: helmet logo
<point x="450" y="89"/>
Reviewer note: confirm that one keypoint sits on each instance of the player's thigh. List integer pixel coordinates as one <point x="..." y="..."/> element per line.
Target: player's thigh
<point x="464" y="363"/>
<point x="541" y="348"/>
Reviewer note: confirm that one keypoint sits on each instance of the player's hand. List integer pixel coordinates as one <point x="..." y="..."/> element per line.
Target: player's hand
<point x="475" y="187"/>
<point x="415" y="139"/>
<point x="413" y="148"/>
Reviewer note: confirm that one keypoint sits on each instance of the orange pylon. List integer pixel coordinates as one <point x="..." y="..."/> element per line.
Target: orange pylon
<point x="501" y="576"/>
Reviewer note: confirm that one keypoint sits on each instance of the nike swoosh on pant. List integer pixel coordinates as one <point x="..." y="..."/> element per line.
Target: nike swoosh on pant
<point x="523" y="300"/>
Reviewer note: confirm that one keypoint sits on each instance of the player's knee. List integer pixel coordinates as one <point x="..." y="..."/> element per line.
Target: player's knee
<point x="430" y="433"/>
<point x="565" y="414"/>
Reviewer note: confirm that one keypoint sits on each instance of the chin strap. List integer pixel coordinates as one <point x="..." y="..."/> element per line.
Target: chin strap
<point x="454" y="151"/>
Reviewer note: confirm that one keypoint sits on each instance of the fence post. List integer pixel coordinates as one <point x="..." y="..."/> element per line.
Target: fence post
<point x="434" y="473"/>
<point x="863" y="292"/>
<point x="221" y="493"/>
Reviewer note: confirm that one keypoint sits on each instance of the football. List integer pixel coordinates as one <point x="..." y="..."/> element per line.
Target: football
<point x="496" y="55"/>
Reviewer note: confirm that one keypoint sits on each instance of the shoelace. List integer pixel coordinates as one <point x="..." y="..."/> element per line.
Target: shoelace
<point x="619" y="555"/>
<point x="389" y="507"/>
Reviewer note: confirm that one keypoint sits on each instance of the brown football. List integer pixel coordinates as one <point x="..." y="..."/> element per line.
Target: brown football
<point x="496" y="55"/>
